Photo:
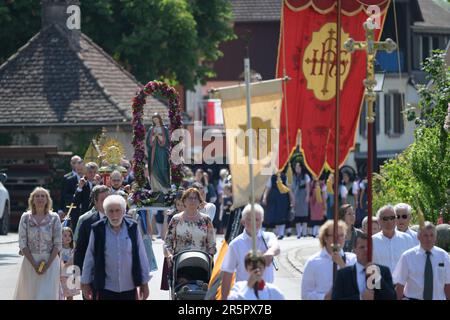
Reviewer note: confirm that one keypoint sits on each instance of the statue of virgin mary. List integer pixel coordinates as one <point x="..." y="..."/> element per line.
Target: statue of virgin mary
<point x="158" y="144"/>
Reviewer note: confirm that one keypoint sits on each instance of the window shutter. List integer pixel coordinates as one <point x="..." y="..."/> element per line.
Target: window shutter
<point x="387" y="114"/>
<point x="398" y="117"/>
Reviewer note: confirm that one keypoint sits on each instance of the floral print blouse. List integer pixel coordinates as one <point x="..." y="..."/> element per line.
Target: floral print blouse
<point x="40" y="237"/>
<point x="190" y="235"/>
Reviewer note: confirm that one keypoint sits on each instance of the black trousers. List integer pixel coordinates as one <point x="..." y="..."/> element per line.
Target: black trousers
<point x="111" y="295"/>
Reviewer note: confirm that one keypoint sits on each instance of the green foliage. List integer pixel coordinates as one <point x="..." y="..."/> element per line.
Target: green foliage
<point x="421" y="174"/>
<point x="171" y="40"/>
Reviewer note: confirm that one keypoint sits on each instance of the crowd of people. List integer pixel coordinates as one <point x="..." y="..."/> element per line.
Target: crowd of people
<point x="98" y="247"/>
<point x="307" y="203"/>
<point x="405" y="264"/>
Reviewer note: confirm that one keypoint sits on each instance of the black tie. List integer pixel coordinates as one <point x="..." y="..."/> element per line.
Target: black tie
<point x="428" y="279"/>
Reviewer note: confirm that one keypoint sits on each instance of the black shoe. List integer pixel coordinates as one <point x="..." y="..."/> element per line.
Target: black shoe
<point x="289" y="234"/>
<point x="298" y="237"/>
<point x="280" y="237"/>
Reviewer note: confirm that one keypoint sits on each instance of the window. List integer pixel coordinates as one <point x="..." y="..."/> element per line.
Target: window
<point x="393" y="114"/>
<point x="363" y="120"/>
<point x="426" y="44"/>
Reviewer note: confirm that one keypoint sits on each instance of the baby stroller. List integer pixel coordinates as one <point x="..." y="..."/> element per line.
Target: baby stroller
<point x="190" y="275"/>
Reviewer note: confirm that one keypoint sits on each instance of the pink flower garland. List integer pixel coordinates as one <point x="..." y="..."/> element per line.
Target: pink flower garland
<point x="140" y="195"/>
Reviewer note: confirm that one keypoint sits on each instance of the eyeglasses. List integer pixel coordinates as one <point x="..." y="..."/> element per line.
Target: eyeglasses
<point x="388" y="218"/>
<point x="403" y="216"/>
<point x="350" y="213"/>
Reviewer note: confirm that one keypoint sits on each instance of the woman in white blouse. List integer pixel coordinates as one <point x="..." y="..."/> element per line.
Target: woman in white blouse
<point x="317" y="282"/>
<point x="40" y="240"/>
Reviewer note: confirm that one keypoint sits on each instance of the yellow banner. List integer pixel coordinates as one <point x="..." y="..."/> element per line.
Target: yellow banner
<point x="266" y="98"/>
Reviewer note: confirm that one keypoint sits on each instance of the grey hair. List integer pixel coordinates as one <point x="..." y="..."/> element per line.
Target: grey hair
<point x="256" y="208"/>
<point x="427" y="226"/>
<point x="403" y="206"/>
<point x="384" y="208"/>
<point x="116" y="173"/>
<point x="365" y="221"/>
<point x="92" y="166"/>
<point x="114" y="199"/>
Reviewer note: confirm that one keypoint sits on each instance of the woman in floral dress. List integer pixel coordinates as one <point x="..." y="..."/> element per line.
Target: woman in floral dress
<point x="190" y="229"/>
<point x="40" y="240"/>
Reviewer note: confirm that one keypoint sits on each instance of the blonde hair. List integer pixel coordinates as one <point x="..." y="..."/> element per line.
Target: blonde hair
<point x="48" y="205"/>
<point x="327" y="225"/>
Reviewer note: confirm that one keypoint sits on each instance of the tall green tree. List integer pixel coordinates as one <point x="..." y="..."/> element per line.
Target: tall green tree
<point x="171" y="40"/>
<point x="421" y="174"/>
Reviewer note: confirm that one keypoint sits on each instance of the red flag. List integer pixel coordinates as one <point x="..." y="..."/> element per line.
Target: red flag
<point x="307" y="54"/>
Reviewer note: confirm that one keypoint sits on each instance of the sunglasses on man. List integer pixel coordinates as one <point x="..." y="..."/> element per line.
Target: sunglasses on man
<point x="403" y="216"/>
<point x="388" y="218"/>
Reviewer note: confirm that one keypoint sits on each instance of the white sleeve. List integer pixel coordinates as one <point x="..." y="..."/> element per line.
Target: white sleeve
<point x="275" y="293"/>
<point x="400" y="274"/>
<point x="272" y="238"/>
<point x="229" y="262"/>
<point x="308" y="284"/>
<point x="307" y="178"/>
<point x="355" y="188"/>
<point x="240" y="291"/>
<point x="269" y="182"/>
<point x="343" y="191"/>
<point x="362" y="186"/>
<point x="447" y="268"/>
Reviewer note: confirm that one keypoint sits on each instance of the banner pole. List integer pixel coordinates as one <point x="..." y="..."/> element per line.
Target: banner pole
<point x="336" y="134"/>
<point x="250" y="152"/>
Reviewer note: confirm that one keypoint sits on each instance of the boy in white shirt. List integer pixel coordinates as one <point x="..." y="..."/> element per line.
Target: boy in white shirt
<point x="255" y="288"/>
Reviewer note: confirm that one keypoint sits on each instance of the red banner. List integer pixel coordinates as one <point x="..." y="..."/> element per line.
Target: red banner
<point x="307" y="54"/>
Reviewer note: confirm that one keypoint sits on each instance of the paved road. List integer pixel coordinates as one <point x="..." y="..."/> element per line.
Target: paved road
<point x="287" y="278"/>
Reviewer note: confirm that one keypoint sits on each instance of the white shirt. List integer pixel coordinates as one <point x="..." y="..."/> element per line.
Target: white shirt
<point x="387" y="251"/>
<point x="318" y="274"/>
<point x="413" y="236"/>
<point x="209" y="210"/>
<point x="239" y="247"/>
<point x="241" y="291"/>
<point x="361" y="277"/>
<point x="410" y="272"/>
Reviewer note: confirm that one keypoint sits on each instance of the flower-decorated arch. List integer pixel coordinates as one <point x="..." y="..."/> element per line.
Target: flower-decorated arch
<point x="140" y="195"/>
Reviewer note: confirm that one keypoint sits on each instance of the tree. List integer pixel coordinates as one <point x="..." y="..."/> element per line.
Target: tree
<point x="421" y="174"/>
<point x="170" y="40"/>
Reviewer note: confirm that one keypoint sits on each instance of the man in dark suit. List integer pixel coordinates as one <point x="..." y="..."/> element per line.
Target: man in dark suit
<point x="83" y="229"/>
<point x="82" y="196"/>
<point x="363" y="280"/>
<point x="69" y="184"/>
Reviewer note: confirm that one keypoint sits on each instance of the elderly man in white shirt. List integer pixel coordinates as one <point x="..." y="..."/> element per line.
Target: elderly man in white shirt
<point x="266" y="242"/>
<point x="317" y="281"/>
<point x="423" y="272"/>
<point x="389" y="244"/>
<point x="403" y="215"/>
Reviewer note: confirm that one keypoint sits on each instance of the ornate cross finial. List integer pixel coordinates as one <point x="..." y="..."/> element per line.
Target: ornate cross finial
<point x="371" y="46"/>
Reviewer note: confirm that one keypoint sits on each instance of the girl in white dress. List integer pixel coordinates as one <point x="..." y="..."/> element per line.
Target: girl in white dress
<point x="40" y="242"/>
<point x="68" y="287"/>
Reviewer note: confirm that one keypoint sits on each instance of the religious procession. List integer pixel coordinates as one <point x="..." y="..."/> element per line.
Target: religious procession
<point x="225" y="150"/>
